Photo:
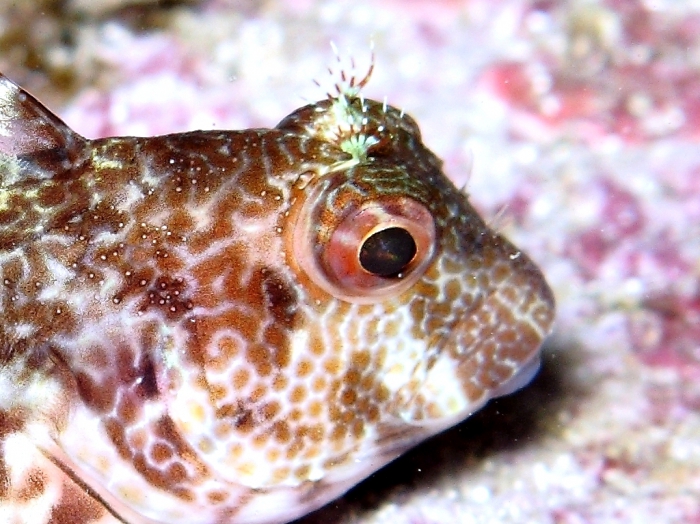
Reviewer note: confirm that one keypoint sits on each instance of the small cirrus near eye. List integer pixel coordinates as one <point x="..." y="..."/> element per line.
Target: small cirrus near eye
<point x="368" y="251"/>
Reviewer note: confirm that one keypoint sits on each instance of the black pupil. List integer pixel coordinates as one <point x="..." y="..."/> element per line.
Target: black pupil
<point x="387" y="252"/>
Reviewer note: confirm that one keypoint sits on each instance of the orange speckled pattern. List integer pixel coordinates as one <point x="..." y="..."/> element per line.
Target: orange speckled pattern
<point x="238" y="326"/>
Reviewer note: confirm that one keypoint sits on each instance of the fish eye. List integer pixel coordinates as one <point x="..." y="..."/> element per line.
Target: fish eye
<point x="387" y="253"/>
<point x="366" y="250"/>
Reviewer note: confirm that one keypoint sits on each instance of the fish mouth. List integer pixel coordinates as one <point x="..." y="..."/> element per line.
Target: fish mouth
<point x="491" y="349"/>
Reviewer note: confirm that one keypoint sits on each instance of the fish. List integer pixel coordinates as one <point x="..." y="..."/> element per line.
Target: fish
<point x="236" y="327"/>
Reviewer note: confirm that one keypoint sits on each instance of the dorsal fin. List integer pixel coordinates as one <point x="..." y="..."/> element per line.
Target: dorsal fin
<point x="33" y="141"/>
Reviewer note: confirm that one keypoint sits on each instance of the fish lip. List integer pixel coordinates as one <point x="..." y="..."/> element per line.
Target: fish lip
<point x="461" y="343"/>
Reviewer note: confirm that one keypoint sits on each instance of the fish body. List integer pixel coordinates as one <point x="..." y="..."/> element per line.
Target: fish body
<point x="235" y="327"/>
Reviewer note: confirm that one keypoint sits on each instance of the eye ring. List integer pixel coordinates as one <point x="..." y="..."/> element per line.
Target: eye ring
<point x="329" y="247"/>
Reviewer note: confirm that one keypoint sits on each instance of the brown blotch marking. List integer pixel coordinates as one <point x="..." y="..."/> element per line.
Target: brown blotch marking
<point x="417" y="310"/>
<point x="239" y="415"/>
<point x="227" y="411"/>
<point x="176" y="473"/>
<point x="319" y="384"/>
<point x="427" y="290"/>
<point x="228" y="347"/>
<point x="223" y="430"/>
<point x="501" y="372"/>
<point x="5" y="485"/>
<point x="183" y="493"/>
<point x="269" y="410"/>
<point x="453" y="290"/>
<point x="298" y="394"/>
<point x="273" y="455"/>
<point x="280" y="382"/>
<point x="316" y="345"/>
<point x="506" y="316"/>
<point x="486" y="377"/>
<point x="115" y="432"/>
<point x="507" y="337"/>
<point x="367" y="382"/>
<point x="281" y="432"/>
<point x="360" y="359"/>
<point x="147" y="387"/>
<point x="227" y="263"/>
<point x="466" y="369"/>
<point x="441" y="310"/>
<point x="252" y="210"/>
<point x="302" y="472"/>
<point x="103" y="216"/>
<point x="33" y="487"/>
<point x="516" y="351"/>
<point x="280" y="474"/>
<point x="315" y="409"/>
<point x="76" y="505"/>
<point x="165" y="429"/>
<point x="517" y="283"/>
<point x="381" y="393"/>
<point x="358" y="429"/>
<point x="473" y="391"/>
<point x="488" y="349"/>
<point x="348" y="397"/>
<point x="510" y="294"/>
<point x="169" y="295"/>
<point x="217" y="497"/>
<point x="259" y="393"/>
<point x="240" y="378"/>
<point x="293" y="449"/>
<point x="279" y="295"/>
<point x="391" y="328"/>
<point x="542" y="314"/>
<point x="138" y="438"/>
<point x="167" y="480"/>
<point x="277" y="338"/>
<point x="259" y="356"/>
<point x="333" y="365"/>
<point x="500" y="273"/>
<point x="369" y="332"/>
<point x="98" y="396"/>
<point x="161" y="453"/>
<point x="280" y="300"/>
<point x="217" y="392"/>
<point x="339" y="432"/>
<point x="529" y="337"/>
<point x="304" y="368"/>
<point x="128" y="408"/>
<point x="261" y="439"/>
<point x="362" y="405"/>
<point x="352" y="377"/>
<point x="180" y="222"/>
<point x="373" y="414"/>
<point x="199" y="240"/>
<point x="296" y="414"/>
<point x="311" y="453"/>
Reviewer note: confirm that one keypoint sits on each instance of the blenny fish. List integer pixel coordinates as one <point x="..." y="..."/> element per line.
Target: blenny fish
<point x="235" y="327"/>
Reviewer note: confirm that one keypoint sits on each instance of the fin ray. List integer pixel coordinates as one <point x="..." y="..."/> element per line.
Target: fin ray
<point x="33" y="141"/>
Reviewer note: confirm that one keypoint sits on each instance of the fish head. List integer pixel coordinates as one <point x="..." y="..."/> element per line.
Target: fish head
<point x="389" y="310"/>
<point x="430" y="312"/>
<point x="239" y="326"/>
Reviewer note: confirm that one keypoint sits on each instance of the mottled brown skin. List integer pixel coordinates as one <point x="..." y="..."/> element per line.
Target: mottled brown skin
<point x="188" y="333"/>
